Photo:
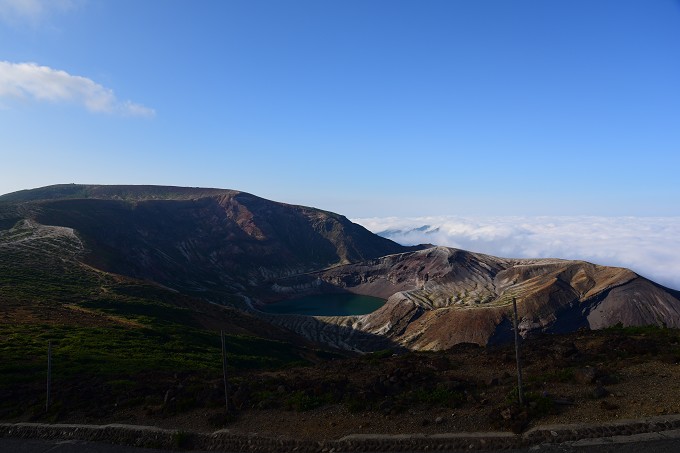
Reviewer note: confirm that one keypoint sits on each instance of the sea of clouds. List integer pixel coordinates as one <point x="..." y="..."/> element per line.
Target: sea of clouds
<point x="649" y="246"/>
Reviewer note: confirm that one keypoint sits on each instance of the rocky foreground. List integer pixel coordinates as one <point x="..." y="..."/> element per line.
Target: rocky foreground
<point x="588" y="378"/>
<point x="645" y="430"/>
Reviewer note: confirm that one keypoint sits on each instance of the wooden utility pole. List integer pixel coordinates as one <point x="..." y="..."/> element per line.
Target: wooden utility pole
<point x="520" y="392"/>
<point x="224" y="371"/>
<point x="49" y="374"/>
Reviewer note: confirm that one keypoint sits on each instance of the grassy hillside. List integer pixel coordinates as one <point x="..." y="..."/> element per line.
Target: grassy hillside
<point x="115" y="340"/>
<point x="90" y="268"/>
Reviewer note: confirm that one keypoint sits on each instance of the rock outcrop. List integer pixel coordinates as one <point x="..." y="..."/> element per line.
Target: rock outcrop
<point x="441" y="296"/>
<point x="227" y="246"/>
<point x="205" y="241"/>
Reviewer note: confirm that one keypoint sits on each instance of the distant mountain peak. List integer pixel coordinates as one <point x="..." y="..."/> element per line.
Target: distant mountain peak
<point x="197" y="238"/>
<point x="113" y="192"/>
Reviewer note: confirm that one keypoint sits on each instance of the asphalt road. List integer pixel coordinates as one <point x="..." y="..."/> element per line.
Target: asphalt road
<point x="62" y="446"/>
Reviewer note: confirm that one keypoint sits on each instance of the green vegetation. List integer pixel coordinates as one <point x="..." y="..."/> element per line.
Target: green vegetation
<point x="117" y="351"/>
<point x="115" y="341"/>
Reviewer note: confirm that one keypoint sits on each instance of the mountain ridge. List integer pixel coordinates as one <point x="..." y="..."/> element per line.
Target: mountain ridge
<point x="103" y="191"/>
<point x="442" y="296"/>
<point x="202" y="240"/>
<point x="235" y="248"/>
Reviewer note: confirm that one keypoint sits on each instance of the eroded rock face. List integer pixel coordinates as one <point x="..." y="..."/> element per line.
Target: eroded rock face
<point x="209" y="241"/>
<point x="441" y="296"/>
<point x="223" y="245"/>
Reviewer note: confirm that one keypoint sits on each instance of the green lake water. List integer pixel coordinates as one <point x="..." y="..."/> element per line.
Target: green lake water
<point x="326" y="305"/>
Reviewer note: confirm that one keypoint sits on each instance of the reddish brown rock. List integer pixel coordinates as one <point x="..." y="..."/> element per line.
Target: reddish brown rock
<point x="467" y="297"/>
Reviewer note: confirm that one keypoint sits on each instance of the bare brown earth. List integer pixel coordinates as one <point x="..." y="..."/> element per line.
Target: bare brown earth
<point x="587" y="377"/>
<point x="223" y="245"/>
<point x="440" y="296"/>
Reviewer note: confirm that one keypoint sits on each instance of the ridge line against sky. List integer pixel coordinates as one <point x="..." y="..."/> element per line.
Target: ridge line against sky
<point x="379" y="108"/>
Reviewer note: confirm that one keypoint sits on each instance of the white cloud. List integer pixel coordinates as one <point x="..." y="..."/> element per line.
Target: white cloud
<point x="41" y="83"/>
<point x="648" y="245"/>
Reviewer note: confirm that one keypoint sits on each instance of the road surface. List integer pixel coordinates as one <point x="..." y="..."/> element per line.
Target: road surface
<point x="76" y="446"/>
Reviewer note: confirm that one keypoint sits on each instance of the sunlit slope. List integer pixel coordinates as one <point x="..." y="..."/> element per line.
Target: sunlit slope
<point x="440" y="297"/>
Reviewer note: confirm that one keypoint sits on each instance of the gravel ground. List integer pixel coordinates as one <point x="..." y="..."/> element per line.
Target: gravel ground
<point x="631" y="376"/>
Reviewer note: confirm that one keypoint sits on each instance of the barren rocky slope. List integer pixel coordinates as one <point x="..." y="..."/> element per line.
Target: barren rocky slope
<point x="229" y="246"/>
<point x="42" y="282"/>
<point x="440" y="297"/>
<point x="209" y="241"/>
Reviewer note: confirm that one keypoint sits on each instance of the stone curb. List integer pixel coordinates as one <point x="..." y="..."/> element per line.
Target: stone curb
<point x="226" y="440"/>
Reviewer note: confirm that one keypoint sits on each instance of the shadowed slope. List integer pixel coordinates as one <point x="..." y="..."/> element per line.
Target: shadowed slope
<point x="198" y="240"/>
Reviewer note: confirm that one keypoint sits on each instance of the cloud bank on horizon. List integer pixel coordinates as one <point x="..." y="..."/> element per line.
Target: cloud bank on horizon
<point x="647" y="245"/>
<point x="44" y="84"/>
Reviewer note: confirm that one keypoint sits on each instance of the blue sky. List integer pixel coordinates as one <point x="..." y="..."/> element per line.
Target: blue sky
<point x="367" y="108"/>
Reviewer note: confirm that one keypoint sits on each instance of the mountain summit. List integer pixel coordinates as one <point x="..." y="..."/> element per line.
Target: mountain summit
<point x="228" y="246"/>
<point x="194" y="239"/>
